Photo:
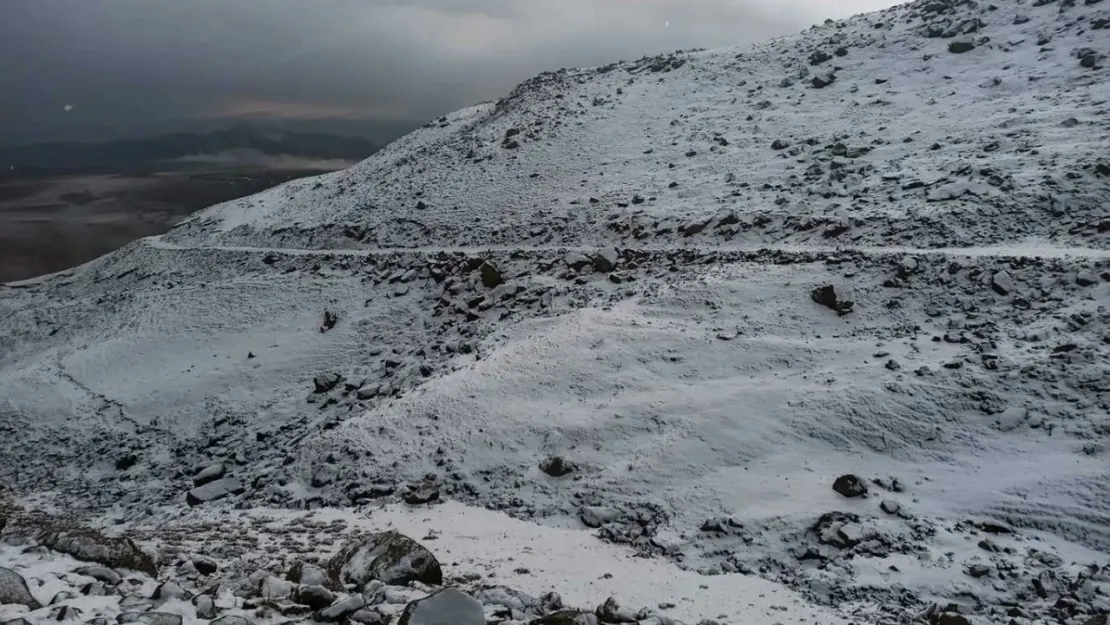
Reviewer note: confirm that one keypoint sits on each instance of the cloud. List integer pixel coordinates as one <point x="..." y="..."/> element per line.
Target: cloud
<point x="126" y="63"/>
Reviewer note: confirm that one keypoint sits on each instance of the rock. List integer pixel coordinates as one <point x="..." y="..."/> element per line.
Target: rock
<point x="605" y="260"/>
<point x="596" y="516"/>
<point x="1098" y="619"/>
<point x="577" y="261"/>
<point x="821" y="81"/>
<point x="491" y="275"/>
<point x="366" y="617"/>
<point x="316" y="596"/>
<point x="274" y="588"/>
<point x="341" y="608"/>
<point x="205" y="566"/>
<point x="213" y="491"/>
<point x="826" y="296"/>
<point x="1011" y="418"/>
<point x="307" y="574"/>
<point x="978" y="570"/>
<point x="14" y="590"/>
<point x="326" y="381"/>
<point x="850" y="486"/>
<point x="150" y="618"/>
<point x="1086" y="278"/>
<point x="779" y="144"/>
<point x="100" y="573"/>
<point x="209" y="474"/>
<point x="948" y="618"/>
<point x="890" y="506"/>
<point x="566" y="617"/>
<point x="230" y="619"/>
<point x="90" y="546"/>
<point x="612" y="612"/>
<point x="819" y="57"/>
<point x="556" y="466"/>
<point x="167" y="591"/>
<point x="206" y="607"/>
<point x="424" y="493"/>
<point x="1002" y="283"/>
<point x="959" y="47"/>
<point x="449" y="606"/>
<point x="389" y="557"/>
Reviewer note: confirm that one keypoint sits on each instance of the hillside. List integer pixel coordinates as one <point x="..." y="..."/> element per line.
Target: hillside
<point x="823" y="320"/>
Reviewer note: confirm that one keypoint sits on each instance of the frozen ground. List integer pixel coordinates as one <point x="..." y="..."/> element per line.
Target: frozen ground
<point x="592" y="310"/>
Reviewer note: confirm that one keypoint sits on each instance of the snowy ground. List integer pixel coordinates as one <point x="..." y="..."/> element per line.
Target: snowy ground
<point x="603" y="326"/>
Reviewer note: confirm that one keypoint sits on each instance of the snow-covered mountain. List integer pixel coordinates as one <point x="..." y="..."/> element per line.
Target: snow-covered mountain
<point x="602" y="304"/>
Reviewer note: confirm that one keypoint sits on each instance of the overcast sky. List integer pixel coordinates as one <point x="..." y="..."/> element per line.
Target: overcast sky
<point x="131" y="66"/>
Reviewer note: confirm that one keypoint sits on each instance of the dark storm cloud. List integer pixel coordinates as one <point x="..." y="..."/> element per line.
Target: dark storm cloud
<point x="124" y="64"/>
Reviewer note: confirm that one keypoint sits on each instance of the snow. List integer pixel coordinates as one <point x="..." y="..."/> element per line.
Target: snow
<point x="703" y="400"/>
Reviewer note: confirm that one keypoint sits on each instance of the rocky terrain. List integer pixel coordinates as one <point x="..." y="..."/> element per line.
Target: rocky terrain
<point x="820" y="322"/>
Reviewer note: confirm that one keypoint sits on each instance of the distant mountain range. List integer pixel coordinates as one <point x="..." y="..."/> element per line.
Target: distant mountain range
<point x="240" y="144"/>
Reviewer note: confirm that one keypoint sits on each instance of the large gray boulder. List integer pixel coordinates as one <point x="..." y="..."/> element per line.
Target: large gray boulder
<point x="90" y="546"/>
<point x="14" y="590"/>
<point x="449" y="606"/>
<point x="389" y="557"/>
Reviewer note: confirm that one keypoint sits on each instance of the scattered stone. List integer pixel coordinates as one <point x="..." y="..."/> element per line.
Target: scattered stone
<point x="605" y="260"/>
<point x="890" y="506"/>
<point x="449" y="606"/>
<point x="206" y="607"/>
<point x="167" y="591"/>
<point x="826" y="296"/>
<point x="307" y="574"/>
<point x="205" y="566"/>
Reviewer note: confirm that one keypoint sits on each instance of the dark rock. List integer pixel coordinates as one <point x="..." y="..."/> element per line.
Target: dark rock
<point x="821" y="81"/>
<point x="330" y="319"/>
<point x="326" y="382"/>
<point x="125" y="462"/>
<point x="959" y="47"/>
<point x="230" y="619"/>
<point x="850" y="486"/>
<point x="91" y="546"/>
<point x="209" y="474"/>
<point x="205" y="566"/>
<point x="316" y="597"/>
<point x="423" y="494"/>
<point x="389" y="557"/>
<point x="819" y="57"/>
<point x="491" y="275"/>
<point x="826" y="296"/>
<point x="949" y="618"/>
<point x="605" y="260"/>
<point x="449" y="606"/>
<point x="779" y="144"/>
<point x="213" y="491"/>
<point x="556" y="466"/>
<point x="14" y="590"/>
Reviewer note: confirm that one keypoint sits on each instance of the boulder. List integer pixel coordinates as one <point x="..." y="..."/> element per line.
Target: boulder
<point x="850" y="486"/>
<point x="316" y="597"/>
<point x="566" y="617"/>
<point x="389" y="557"/>
<point x="14" y="590"/>
<point x="307" y="574"/>
<point x="339" y="609"/>
<point x="213" y="491"/>
<point x="100" y="573"/>
<point x="449" y="606"/>
<point x="91" y="546"/>
<point x="149" y="618"/>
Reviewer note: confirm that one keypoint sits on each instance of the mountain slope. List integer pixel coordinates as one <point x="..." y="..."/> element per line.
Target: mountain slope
<point x="912" y="144"/>
<point x="602" y="303"/>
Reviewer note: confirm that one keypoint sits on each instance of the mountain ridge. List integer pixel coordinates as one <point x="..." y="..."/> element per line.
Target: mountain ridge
<point x="830" y="310"/>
